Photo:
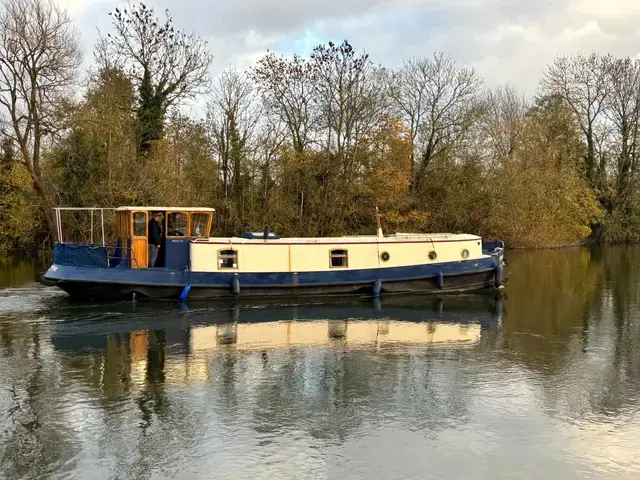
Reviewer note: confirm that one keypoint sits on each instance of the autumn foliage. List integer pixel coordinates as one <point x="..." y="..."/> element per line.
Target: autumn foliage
<point x="310" y="145"/>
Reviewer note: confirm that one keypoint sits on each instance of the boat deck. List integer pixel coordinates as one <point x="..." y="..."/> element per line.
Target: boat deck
<point x="348" y="239"/>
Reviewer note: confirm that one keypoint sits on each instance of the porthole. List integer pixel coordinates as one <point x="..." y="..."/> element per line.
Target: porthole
<point x="432" y="255"/>
<point x="464" y="253"/>
<point x="384" y="256"/>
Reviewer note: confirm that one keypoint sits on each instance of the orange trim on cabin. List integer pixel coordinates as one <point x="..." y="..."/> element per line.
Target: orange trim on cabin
<point x="146" y="224"/>
<point x="166" y="223"/>
<point x="207" y="225"/>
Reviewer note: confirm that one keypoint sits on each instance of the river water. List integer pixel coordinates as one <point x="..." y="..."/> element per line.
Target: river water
<point x="540" y="382"/>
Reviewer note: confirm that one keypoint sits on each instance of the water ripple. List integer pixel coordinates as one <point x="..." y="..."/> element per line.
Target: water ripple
<point x="543" y="383"/>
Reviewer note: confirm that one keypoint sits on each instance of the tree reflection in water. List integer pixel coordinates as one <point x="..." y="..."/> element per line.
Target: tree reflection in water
<point x="125" y="390"/>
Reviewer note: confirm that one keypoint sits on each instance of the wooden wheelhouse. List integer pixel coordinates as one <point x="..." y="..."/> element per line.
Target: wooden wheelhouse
<point x="179" y="226"/>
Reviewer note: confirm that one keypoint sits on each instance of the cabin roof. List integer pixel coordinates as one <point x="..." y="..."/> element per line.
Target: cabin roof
<point x="181" y="209"/>
<point x="399" y="238"/>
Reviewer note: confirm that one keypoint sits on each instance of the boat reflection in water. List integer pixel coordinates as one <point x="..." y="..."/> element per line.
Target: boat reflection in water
<point x="184" y="340"/>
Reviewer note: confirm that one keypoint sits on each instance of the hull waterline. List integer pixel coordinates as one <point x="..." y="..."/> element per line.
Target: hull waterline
<point x="94" y="283"/>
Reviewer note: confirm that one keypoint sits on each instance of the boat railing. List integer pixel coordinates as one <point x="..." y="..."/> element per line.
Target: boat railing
<point x="93" y="212"/>
<point x="116" y="254"/>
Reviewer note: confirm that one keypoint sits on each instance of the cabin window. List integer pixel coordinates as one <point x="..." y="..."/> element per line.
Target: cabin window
<point x="464" y="253"/>
<point x="199" y="224"/>
<point x="139" y="224"/>
<point x="384" y="256"/>
<point x="432" y="255"/>
<point x="176" y="224"/>
<point x="227" y="259"/>
<point x="339" y="258"/>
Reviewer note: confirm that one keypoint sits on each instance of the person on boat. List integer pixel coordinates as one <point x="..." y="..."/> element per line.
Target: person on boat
<point x="155" y="238"/>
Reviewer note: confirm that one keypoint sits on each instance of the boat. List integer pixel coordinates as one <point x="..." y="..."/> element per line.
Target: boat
<point x="193" y="264"/>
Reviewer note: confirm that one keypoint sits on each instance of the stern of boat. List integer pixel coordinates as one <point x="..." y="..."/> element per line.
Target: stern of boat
<point x="496" y="251"/>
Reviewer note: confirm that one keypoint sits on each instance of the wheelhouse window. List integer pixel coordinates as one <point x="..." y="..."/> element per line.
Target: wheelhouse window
<point x="139" y="224"/>
<point x="176" y="224"/>
<point x="339" y="259"/>
<point x="227" y="259"/>
<point x="199" y="223"/>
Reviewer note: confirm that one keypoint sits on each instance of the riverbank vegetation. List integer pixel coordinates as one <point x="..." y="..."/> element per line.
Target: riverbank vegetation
<point x="309" y="144"/>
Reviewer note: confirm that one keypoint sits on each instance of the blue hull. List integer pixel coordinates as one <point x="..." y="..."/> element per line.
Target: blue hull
<point x="160" y="283"/>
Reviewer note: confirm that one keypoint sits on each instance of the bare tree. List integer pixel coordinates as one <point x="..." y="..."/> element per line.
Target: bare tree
<point x="165" y="65"/>
<point x="286" y="86"/>
<point x="408" y="89"/>
<point x="436" y="98"/>
<point x="233" y="113"/>
<point x="270" y="138"/>
<point x="582" y="81"/>
<point x="39" y="58"/>
<point x="503" y="120"/>
<point x="351" y="100"/>
<point x="623" y="110"/>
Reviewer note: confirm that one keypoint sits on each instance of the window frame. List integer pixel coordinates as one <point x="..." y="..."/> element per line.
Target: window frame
<point x="146" y="224"/>
<point x="206" y="225"/>
<point x="166" y="224"/>
<point x="218" y="257"/>
<point x="345" y="256"/>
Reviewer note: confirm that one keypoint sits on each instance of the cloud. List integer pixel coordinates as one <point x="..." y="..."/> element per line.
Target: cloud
<point x="508" y="41"/>
<point x="230" y="17"/>
<point x="71" y="6"/>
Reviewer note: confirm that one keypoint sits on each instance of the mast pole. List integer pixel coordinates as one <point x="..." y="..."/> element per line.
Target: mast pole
<point x="102" y="221"/>
<point x="379" y="224"/>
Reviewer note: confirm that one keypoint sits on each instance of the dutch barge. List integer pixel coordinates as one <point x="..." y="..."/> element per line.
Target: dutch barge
<point x="193" y="264"/>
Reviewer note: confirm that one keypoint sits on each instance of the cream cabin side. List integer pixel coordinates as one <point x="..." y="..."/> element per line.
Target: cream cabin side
<point x="404" y="252"/>
<point x="333" y="256"/>
<point x="239" y="257"/>
<point x="330" y="254"/>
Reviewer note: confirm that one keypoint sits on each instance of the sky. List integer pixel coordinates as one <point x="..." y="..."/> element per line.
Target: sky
<point x="507" y="41"/>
